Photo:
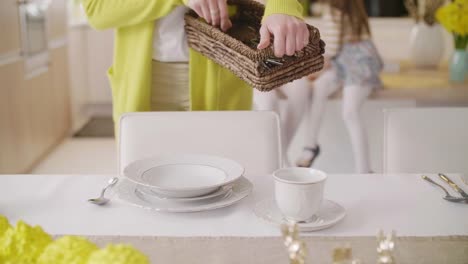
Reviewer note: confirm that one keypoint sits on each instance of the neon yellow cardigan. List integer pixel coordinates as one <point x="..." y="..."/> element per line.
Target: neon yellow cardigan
<point x="211" y="86"/>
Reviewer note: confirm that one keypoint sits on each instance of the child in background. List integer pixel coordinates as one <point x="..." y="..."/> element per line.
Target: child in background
<point x="352" y="63"/>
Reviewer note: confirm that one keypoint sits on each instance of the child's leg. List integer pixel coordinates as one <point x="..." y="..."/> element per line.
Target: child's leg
<point x="324" y="86"/>
<point x="298" y="94"/>
<point x="353" y="98"/>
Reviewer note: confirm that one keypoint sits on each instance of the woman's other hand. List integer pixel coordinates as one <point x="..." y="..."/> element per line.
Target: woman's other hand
<point x="290" y="34"/>
<point x="215" y="12"/>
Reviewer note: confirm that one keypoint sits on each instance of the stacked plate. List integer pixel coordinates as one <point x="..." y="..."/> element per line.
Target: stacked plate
<point x="183" y="183"/>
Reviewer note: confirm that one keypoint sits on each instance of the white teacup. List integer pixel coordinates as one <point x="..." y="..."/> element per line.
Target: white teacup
<point x="299" y="192"/>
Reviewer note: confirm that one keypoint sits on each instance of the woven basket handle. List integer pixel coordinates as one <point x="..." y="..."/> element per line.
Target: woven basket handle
<point x="248" y="5"/>
<point x="244" y="2"/>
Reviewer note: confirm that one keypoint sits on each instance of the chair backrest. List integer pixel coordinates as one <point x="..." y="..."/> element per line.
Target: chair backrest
<point x="420" y="140"/>
<point x="250" y="138"/>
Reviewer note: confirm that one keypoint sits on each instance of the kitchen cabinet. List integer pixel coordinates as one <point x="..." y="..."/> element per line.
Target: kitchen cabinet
<point x="9" y="127"/>
<point x="60" y="92"/>
<point x="34" y="113"/>
<point x="34" y="107"/>
<point x="9" y="26"/>
<point x="38" y="102"/>
<point x="57" y="19"/>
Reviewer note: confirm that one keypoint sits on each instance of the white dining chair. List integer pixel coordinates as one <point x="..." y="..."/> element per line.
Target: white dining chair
<point x="426" y="140"/>
<point x="250" y="138"/>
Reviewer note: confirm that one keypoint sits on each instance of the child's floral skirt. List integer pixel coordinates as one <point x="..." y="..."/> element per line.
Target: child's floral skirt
<point x="359" y="63"/>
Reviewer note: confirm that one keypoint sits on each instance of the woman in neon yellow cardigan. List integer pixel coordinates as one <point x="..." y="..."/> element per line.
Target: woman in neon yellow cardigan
<point x="139" y="23"/>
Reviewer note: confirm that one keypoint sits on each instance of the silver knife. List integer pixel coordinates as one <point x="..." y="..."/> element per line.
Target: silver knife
<point x="453" y="185"/>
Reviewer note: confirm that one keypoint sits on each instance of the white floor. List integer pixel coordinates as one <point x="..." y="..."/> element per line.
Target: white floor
<point x="99" y="156"/>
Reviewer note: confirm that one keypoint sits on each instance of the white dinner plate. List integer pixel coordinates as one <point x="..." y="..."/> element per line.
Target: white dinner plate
<point x="127" y="191"/>
<point x="329" y="214"/>
<point x="184" y="176"/>
<point x="152" y="194"/>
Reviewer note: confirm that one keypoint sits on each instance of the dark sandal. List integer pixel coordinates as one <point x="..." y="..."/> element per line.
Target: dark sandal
<point x="315" y="151"/>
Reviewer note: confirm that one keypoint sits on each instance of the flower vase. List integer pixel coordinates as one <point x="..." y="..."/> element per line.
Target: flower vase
<point x="459" y="66"/>
<point x="426" y="45"/>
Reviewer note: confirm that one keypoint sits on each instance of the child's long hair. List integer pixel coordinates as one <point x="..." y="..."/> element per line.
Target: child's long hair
<point x="354" y="13"/>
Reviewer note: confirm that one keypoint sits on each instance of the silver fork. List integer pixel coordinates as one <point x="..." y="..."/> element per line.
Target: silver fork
<point x="447" y="196"/>
<point x="453" y="185"/>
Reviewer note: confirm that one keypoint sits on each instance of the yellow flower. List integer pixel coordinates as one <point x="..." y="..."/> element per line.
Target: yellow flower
<point x="67" y="250"/>
<point x="118" y="254"/>
<point x="23" y="244"/>
<point x="4" y="225"/>
<point x="454" y="17"/>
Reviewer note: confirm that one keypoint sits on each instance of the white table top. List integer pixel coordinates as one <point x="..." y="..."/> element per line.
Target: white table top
<point x="404" y="203"/>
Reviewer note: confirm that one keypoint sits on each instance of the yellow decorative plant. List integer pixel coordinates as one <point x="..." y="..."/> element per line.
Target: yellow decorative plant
<point x="25" y="244"/>
<point x="454" y="17"/>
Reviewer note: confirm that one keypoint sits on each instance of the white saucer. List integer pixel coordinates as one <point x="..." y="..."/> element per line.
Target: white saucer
<point x="127" y="191"/>
<point x="329" y="214"/>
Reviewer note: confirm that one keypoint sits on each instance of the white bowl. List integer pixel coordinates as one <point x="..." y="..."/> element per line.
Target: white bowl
<point x="184" y="176"/>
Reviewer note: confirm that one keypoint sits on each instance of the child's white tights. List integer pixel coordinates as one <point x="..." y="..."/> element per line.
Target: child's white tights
<point x="302" y="99"/>
<point x="290" y="110"/>
<point x="353" y="98"/>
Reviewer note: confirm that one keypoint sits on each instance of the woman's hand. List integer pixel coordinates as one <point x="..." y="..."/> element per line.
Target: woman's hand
<point x="290" y="34"/>
<point x="215" y="12"/>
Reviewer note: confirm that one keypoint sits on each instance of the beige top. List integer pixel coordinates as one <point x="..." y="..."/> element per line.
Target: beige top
<point x="169" y="38"/>
<point x="330" y="31"/>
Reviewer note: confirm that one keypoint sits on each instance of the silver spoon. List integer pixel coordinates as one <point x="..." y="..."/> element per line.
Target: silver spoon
<point x="447" y="197"/>
<point x="102" y="200"/>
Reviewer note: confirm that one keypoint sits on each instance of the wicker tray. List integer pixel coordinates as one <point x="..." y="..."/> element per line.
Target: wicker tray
<point x="237" y="50"/>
